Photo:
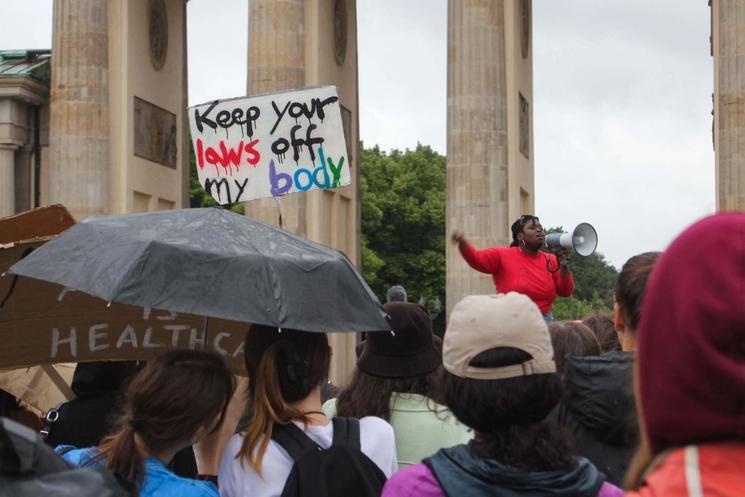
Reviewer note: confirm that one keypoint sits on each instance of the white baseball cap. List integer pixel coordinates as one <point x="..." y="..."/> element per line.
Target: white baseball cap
<point x="483" y="322"/>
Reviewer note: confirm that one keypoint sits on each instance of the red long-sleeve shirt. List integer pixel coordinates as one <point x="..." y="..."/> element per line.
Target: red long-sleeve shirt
<point x="515" y="271"/>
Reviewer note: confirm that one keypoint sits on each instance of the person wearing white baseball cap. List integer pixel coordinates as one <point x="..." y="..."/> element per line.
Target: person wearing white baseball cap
<point x="500" y="379"/>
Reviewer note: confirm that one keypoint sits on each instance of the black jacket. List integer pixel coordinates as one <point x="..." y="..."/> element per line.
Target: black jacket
<point x="598" y="409"/>
<point x="85" y="420"/>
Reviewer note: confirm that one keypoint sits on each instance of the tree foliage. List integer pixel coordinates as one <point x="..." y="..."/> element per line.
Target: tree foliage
<point x="197" y="196"/>
<point x="403" y="222"/>
<point x="403" y="232"/>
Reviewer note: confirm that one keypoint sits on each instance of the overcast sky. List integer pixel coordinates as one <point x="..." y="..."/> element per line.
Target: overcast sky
<point x="621" y="104"/>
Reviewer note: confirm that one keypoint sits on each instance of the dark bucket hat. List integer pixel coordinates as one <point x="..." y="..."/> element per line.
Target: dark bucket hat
<point x="408" y="350"/>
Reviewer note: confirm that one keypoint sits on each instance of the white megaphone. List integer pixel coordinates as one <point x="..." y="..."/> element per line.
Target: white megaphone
<point x="584" y="240"/>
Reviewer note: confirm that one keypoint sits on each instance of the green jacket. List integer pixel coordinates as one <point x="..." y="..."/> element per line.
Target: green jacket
<point x="421" y="425"/>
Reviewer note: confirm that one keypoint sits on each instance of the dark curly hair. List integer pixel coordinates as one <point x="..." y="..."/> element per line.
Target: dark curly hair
<point x="517" y="226"/>
<point x="368" y="395"/>
<point x="509" y="415"/>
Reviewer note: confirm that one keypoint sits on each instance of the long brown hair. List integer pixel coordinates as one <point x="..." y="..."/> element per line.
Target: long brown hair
<point x="601" y="323"/>
<point x="368" y="395"/>
<point x="167" y="402"/>
<point x="572" y="337"/>
<point x="284" y="367"/>
<point x="630" y="285"/>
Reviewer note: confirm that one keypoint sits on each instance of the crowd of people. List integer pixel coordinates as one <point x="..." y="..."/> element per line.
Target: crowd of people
<point x="646" y="401"/>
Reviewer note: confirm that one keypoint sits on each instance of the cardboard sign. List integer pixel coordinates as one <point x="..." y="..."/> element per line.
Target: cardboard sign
<point x="270" y="145"/>
<point x="43" y="323"/>
<point x="36" y="223"/>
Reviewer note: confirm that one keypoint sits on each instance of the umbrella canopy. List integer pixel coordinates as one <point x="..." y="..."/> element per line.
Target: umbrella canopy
<point x="209" y="262"/>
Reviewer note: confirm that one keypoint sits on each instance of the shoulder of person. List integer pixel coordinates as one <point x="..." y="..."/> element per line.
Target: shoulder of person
<point x="373" y="426"/>
<point x="78" y="457"/>
<point x="378" y="442"/>
<point x="232" y="446"/>
<point x="185" y="487"/>
<point x="329" y="408"/>
<point x="415" y="480"/>
<point x="230" y="463"/>
<point x="608" y="489"/>
<point x="503" y="250"/>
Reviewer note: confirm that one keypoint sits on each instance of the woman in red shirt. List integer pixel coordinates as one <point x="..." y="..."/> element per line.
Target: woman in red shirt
<point x="522" y="267"/>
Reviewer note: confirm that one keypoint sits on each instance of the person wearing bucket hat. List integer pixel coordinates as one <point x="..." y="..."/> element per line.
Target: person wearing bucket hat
<point x="396" y="379"/>
<point x="500" y="380"/>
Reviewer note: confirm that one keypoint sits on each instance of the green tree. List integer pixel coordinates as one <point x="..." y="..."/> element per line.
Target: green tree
<point x="197" y="196"/>
<point x="403" y="222"/>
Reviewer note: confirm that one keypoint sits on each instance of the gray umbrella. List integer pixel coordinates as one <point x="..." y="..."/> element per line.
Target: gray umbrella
<point x="209" y="262"/>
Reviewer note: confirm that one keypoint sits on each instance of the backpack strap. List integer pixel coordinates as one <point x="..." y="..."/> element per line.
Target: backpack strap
<point x="346" y="432"/>
<point x="294" y="440"/>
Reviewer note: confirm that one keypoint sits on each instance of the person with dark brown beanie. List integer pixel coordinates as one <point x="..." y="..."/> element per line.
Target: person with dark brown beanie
<point x="691" y="366"/>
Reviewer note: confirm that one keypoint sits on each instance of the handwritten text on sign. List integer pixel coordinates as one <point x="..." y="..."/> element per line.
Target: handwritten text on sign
<point x="270" y="145"/>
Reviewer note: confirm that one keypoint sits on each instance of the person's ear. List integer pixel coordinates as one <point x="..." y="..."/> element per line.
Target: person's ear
<point x="618" y="321"/>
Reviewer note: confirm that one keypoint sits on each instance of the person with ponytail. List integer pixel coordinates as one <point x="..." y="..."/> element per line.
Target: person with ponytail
<point x="174" y="401"/>
<point x="286" y="369"/>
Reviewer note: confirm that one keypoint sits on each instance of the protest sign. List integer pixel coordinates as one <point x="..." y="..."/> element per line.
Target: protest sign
<point x="44" y="323"/>
<point x="35" y="223"/>
<point x="270" y="145"/>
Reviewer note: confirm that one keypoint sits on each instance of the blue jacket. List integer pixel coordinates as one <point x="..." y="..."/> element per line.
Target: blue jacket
<point x="159" y="481"/>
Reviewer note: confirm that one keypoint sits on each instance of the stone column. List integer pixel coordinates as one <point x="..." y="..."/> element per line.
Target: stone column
<point x="79" y="109"/>
<point x="7" y="180"/>
<point x="276" y="61"/>
<point x="730" y="105"/>
<point x="477" y="188"/>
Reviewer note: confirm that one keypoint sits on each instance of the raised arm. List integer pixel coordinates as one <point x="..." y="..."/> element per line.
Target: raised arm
<point x="485" y="261"/>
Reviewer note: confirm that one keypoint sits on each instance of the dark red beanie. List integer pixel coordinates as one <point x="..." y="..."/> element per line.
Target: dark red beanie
<point x="691" y="339"/>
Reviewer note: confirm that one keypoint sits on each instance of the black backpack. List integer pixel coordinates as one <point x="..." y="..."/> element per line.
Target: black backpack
<point x="341" y="470"/>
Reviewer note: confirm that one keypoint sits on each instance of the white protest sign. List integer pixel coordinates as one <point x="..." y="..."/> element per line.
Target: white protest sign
<point x="270" y="145"/>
